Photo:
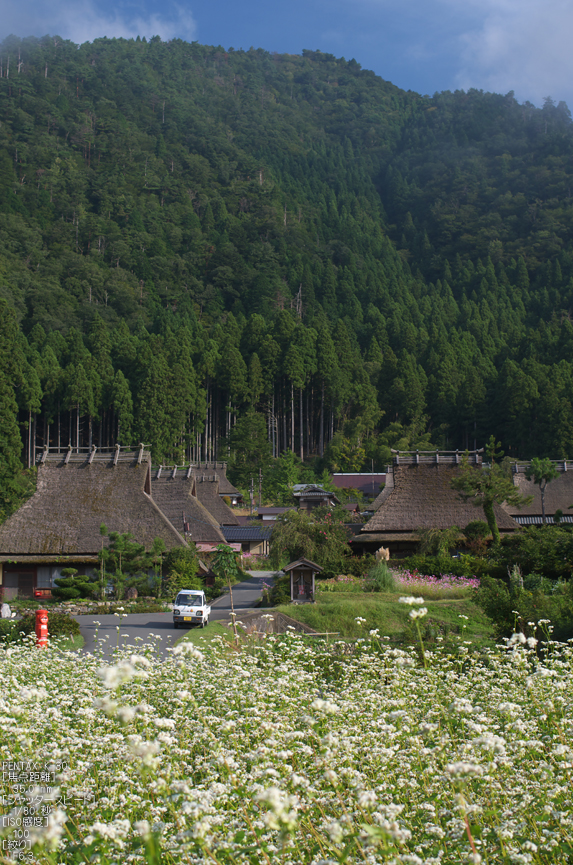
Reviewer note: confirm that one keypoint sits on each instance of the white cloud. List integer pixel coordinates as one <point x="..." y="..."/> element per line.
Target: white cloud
<point x="86" y="20"/>
<point x="498" y="45"/>
<point x="521" y="45"/>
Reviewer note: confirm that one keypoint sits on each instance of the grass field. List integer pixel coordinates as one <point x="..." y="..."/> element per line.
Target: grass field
<point x="203" y="636"/>
<point x="338" y="613"/>
<point x="75" y="641"/>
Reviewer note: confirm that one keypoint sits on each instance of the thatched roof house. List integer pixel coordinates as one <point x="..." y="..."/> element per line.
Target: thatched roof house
<point x="226" y="488"/>
<point x="558" y="495"/>
<point x="59" y="526"/>
<point x="208" y="492"/>
<point x="417" y="496"/>
<point x="174" y="492"/>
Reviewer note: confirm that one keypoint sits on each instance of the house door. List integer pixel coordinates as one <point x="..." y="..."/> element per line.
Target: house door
<point x="26" y="584"/>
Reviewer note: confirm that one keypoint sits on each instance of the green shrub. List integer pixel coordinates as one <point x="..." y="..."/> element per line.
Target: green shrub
<point x="477" y="534"/>
<point x="380" y="579"/>
<point x="280" y="592"/>
<point x="512" y="607"/>
<point x="72" y="585"/>
<point x="358" y="566"/>
<point x="8" y="631"/>
<point x="59" y="625"/>
<point x="182" y="576"/>
<point x="477" y="530"/>
<point x="464" y="566"/>
<point x="546" y="550"/>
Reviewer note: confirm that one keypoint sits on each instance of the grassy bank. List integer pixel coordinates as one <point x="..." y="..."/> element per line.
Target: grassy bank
<point x="338" y="613"/>
<point x="203" y="636"/>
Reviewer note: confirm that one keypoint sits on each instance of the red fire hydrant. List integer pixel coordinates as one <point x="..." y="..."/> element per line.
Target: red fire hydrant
<point x="41" y="629"/>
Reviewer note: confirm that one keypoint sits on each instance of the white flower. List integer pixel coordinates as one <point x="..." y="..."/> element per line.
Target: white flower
<point x="165" y="723"/>
<point x="49" y="835"/>
<point x="188" y="649"/>
<point x="335" y="832"/>
<point x="299" y="780"/>
<point x="282" y="808"/>
<point x="140" y="659"/>
<point x="145" y="750"/>
<point x="367" y="799"/>
<point x="142" y="828"/>
<point x="325" y="706"/>
<point x="113" y="677"/>
<point x="419" y="614"/>
<point x="463" y="768"/>
<point x="410" y="600"/>
<point x="126" y="713"/>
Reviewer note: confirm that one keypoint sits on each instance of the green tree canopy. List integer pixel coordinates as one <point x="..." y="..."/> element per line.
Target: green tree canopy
<point x="487" y="486"/>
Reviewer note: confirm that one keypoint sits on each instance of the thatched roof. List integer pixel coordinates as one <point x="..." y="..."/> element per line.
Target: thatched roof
<point x="558" y="494"/>
<point x="75" y="494"/>
<point x="207" y="491"/>
<point x="385" y="492"/>
<point x="421" y="497"/>
<point x="226" y="488"/>
<point x="206" y="479"/>
<point x="173" y="491"/>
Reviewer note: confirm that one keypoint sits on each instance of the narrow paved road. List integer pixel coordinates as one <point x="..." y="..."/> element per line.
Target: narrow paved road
<point x="245" y="595"/>
<point x="157" y="628"/>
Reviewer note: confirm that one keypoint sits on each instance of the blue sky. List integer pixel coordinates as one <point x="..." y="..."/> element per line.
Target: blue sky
<point x="423" y="45"/>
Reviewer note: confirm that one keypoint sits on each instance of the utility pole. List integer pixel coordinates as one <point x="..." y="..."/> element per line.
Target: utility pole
<point x="252" y="495"/>
<point x="260" y="487"/>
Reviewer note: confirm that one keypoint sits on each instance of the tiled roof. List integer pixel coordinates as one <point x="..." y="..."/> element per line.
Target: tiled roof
<point x="247" y="533"/>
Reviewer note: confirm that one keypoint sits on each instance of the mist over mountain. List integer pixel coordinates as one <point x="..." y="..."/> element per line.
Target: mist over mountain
<point x="197" y="244"/>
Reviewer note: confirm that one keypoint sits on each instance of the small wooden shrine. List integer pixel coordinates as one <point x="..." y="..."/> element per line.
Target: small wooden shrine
<point x="302" y="574"/>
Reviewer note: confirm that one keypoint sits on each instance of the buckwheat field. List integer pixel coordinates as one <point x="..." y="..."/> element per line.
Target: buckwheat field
<point x="287" y="751"/>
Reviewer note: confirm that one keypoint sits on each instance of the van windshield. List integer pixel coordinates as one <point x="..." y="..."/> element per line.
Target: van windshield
<point x="189" y="600"/>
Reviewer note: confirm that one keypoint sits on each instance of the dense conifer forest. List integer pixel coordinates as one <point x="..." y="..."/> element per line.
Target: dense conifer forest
<point x="235" y="254"/>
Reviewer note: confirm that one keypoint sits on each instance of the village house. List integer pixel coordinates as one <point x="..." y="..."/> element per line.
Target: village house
<point x="59" y="526"/>
<point x="367" y="484"/>
<point x="77" y="491"/>
<point x="417" y="496"/>
<point x="253" y="540"/>
<point x="270" y="515"/>
<point x="226" y="488"/>
<point x="206" y="489"/>
<point x="558" y="496"/>
<point x="174" y="492"/>
<point x="310" y="496"/>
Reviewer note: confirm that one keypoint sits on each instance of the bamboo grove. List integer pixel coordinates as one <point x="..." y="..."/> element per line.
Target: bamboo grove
<point x="226" y="252"/>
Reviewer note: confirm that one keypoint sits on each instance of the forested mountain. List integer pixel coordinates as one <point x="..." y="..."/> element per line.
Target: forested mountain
<point x="199" y="244"/>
